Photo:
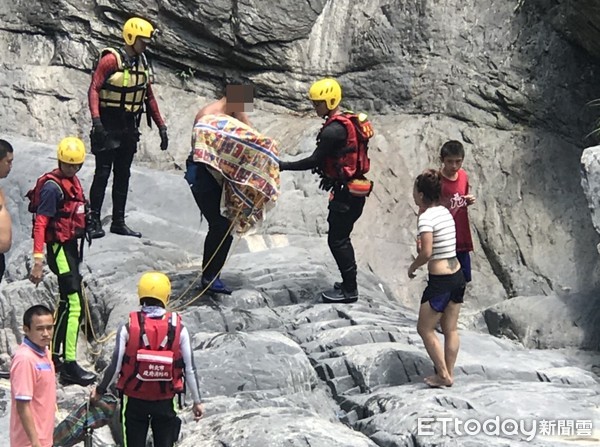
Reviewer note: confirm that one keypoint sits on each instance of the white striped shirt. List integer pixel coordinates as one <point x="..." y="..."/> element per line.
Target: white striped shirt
<point x="439" y="221"/>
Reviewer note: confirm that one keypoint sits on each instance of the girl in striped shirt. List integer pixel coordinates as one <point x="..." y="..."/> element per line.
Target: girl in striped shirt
<point x="446" y="284"/>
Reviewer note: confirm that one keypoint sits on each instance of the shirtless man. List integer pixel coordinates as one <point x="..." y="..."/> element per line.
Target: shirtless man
<point x="6" y="159"/>
<point x="237" y="100"/>
<point x="207" y="190"/>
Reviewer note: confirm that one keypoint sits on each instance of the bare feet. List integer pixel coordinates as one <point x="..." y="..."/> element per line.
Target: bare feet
<point x="436" y="381"/>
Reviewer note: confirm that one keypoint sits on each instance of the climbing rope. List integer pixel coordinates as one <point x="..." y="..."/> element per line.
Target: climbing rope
<point x="88" y="326"/>
<point x="88" y="317"/>
<point x="203" y="291"/>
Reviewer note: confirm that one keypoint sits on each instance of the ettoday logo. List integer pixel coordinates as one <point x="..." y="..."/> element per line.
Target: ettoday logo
<point x="505" y="428"/>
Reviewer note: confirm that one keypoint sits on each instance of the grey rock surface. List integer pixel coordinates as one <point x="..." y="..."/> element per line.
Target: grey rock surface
<point x="590" y="181"/>
<point x="510" y="80"/>
<point x="574" y="19"/>
<point x="547" y="321"/>
<point x="276" y="366"/>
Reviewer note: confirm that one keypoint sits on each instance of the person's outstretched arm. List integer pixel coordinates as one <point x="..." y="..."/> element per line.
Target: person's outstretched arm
<point x="332" y="138"/>
<point x="116" y="362"/>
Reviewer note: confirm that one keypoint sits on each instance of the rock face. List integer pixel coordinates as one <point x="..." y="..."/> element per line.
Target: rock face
<point x="509" y="79"/>
<point x="498" y="76"/>
<point x="576" y="20"/>
<point x="276" y="366"/>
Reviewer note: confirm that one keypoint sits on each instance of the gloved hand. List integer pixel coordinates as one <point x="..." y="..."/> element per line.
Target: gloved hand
<point x="326" y="184"/>
<point x="89" y="225"/>
<point x="164" y="138"/>
<point x="98" y="136"/>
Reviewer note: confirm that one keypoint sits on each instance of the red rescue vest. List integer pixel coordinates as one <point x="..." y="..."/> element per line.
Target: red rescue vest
<point x="153" y="367"/>
<point x="69" y="222"/>
<point x="352" y="161"/>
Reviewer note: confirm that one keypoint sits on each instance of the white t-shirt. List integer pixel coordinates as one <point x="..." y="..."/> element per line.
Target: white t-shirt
<point x="439" y="221"/>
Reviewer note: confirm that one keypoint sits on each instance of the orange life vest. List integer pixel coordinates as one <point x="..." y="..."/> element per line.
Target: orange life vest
<point x="352" y="161"/>
<point x="69" y="222"/>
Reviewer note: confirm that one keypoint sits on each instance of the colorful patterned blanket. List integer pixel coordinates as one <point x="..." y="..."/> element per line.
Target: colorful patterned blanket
<point x="83" y="420"/>
<point x="248" y="162"/>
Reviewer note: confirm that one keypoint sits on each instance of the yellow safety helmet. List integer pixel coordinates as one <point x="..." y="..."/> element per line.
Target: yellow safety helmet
<point x="71" y="150"/>
<point x="155" y="285"/>
<point x="137" y="27"/>
<point x="327" y="90"/>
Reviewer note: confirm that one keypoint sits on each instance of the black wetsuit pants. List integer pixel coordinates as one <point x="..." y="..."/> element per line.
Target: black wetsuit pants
<point x="207" y="194"/>
<point x="138" y="415"/>
<point x="344" y="211"/>
<point x="117" y="155"/>
<point x="2" y="266"/>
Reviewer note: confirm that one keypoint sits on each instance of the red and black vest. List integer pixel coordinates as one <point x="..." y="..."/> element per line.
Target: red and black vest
<point x="69" y="222"/>
<point x="153" y="367"/>
<point x="352" y="161"/>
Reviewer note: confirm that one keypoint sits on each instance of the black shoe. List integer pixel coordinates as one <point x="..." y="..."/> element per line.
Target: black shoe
<point x="96" y="233"/>
<point x="216" y="286"/>
<point x="73" y="374"/>
<point x="337" y="285"/>
<point x="340" y="296"/>
<point x="94" y="226"/>
<point x="123" y="230"/>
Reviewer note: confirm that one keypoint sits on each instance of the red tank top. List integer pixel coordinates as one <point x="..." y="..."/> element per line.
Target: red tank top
<point x="453" y="198"/>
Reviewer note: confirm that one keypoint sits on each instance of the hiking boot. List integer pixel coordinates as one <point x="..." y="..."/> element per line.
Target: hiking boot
<point x="340" y="296"/>
<point x="94" y="226"/>
<point x="119" y="227"/>
<point x="73" y="374"/>
<point x="215" y="285"/>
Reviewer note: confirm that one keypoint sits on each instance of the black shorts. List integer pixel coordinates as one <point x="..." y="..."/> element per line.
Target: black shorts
<point x="441" y="289"/>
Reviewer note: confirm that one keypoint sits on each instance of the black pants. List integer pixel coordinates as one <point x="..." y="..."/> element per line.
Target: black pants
<point x="2" y="266"/>
<point x="207" y="194"/>
<point x="120" y="147"/>
<point x="63" y="261"/>
<point x="137" y="415"/>
<point x="344" y="211"/>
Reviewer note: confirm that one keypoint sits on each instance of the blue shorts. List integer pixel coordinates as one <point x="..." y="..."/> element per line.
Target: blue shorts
<point x="465" y="262"/>
<point x="441" y="289"/>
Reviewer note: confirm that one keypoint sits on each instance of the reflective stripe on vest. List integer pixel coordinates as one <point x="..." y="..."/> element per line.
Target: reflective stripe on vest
<point x="152" y="370"/>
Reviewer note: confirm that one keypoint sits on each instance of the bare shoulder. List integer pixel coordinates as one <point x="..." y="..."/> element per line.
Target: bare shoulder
<point x="201" y="112"/>
<point x="213" y="108"/>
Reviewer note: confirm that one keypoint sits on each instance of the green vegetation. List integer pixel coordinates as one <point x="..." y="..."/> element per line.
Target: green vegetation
<point x="186" y="75"/>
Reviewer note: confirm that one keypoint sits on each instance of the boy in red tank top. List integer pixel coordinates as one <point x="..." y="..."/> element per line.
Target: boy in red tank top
<point x="456" y="197"/>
